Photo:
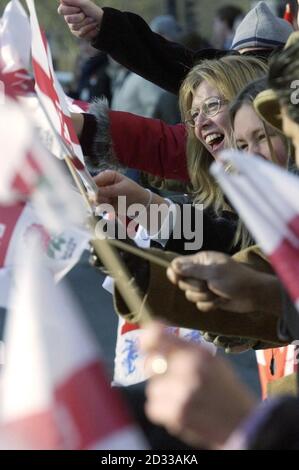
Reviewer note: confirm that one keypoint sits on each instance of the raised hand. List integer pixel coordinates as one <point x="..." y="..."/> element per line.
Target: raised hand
<point x="83" y="17"/>
<point x="113" y="184"/>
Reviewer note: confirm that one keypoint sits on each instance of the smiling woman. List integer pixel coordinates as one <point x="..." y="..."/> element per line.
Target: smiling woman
<point x="210" y="127"/>
<point x="207" y="90"/>
<point x="252" y="134"/>
<point x="206" y="108"/>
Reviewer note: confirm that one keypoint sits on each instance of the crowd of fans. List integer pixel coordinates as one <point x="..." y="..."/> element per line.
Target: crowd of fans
<point x="147" y="74"/>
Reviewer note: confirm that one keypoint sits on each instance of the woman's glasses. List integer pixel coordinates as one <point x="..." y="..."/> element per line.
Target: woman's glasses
<point x="209" y="108"/>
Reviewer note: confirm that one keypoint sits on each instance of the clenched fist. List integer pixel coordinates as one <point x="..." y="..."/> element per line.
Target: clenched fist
<point x="83" y="17"/>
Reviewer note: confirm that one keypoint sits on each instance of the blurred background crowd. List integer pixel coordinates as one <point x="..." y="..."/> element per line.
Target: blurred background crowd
<point x="199" y="21"/>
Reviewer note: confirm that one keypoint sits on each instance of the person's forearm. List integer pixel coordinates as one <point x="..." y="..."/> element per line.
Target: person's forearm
<point x="130" y="41"/>
<point x="136" y="47"/>
<point x="150" y="145"/>
<point x="135" y="142"/>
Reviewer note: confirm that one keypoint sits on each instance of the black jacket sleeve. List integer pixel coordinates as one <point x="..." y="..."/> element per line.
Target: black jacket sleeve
<point x="130" y="41"/>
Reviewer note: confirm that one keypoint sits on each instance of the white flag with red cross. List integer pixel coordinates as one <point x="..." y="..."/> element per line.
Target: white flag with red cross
<point x="55" y="393"/>
<point x="56" y="212"/>
<point x="53" y="98"/>
<point x="15" y="60"/>
<point x="15" y="45"/>
<point x="29" y="172"/>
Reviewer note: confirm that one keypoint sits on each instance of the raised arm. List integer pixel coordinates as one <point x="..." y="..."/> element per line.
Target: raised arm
<point x="111" y="137"/>
<point x="130" y="41"/>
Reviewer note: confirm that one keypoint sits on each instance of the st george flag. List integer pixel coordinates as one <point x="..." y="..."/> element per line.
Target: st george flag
<point x="18" y="222"/>
<point x="55" y="211"/>
<point x="55" y="393"/>
<point x="53" y="98"/>
<point x="15" y="42"/>
<point x="15" y="60"/>
<point x="28" y="171"/>
<point x="267" y="200"/>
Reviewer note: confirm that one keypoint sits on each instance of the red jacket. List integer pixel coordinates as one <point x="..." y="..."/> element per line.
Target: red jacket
<point x="142" y="143"/>
<point x="149" y="145"/>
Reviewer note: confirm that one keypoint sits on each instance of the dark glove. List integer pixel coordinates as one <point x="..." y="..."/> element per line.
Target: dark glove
<point x="231" y="345"/>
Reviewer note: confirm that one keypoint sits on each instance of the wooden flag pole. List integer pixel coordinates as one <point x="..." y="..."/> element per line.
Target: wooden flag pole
<point x="125" y="283"/>
<point x="140" y="252"/>
<point x="78" y="183"/>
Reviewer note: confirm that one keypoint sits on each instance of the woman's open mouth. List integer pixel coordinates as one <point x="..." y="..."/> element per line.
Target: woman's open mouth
<point x="214" y="141"/>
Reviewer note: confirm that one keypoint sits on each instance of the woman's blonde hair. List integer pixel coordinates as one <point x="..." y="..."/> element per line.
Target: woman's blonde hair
<point x="229" y="75"/>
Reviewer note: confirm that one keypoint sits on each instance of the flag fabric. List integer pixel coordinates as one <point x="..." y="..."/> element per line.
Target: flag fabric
<point x="62" y="250"/>
<point x="53" y="98"/>
<point x="29" y="172"/>
<point x="267" y="200"/>
<point x="15" y="59"/>
<point x="55" y="213"/>
<point x="9" y="217"/>
<point x="129" y="362"/>
<point x="274" y="364"/>
<point x="55" y="393"/>
<point x="6" y="282"/>
<point x="288" y="15"/>
<point x="15" y="45"/>
<point x="129" y="365"/>
<point x="77" y="106"/>
<point x="17" y="224"/>
<point x="46" y="133"/>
